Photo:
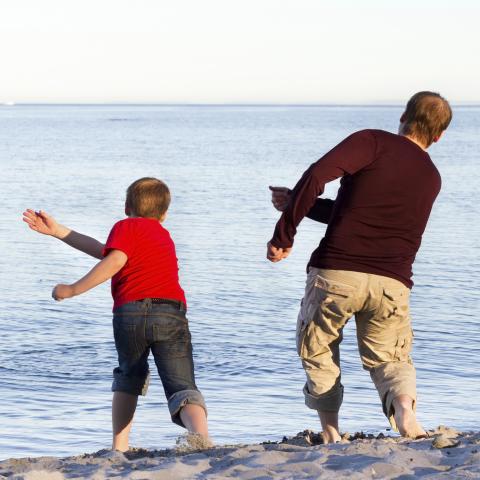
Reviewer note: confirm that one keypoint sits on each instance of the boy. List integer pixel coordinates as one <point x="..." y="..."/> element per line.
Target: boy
<point x="149" y="306"/>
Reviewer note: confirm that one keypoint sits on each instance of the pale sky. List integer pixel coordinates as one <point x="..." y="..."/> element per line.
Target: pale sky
<point x="245" y="51"/>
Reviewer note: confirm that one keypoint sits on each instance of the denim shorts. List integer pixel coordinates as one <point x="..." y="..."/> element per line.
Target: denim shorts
<point x="142" y="326"/>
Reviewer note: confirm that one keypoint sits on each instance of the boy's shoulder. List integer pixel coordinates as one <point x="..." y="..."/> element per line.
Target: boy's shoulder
<point x="143" y="221"/>
<point x="134" y="225"/>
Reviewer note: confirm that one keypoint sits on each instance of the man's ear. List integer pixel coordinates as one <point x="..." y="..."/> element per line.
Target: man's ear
<point x="436" y="139"/>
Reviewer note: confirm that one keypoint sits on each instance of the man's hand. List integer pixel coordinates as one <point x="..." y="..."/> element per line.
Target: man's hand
<point x="41" y="222"/>
<point x="61" y="292"/>
<point x="280" y="197"/>
<point x="275" y="254"/>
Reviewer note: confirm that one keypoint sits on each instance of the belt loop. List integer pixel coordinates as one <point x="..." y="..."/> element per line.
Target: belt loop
<point x="147" y="303"/>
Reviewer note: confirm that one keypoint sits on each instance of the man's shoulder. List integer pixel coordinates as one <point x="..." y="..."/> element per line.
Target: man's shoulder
<point x="371" y="135"/>
<point x="396" y="141"/>
<point x="380" y="134"/>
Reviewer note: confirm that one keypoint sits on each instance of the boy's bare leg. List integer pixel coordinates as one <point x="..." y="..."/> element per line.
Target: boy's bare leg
<point x="329" y="421"/>
<point x="195" y="420"/>
<point x="123" y="409"/>
<point x="405" y="418"/>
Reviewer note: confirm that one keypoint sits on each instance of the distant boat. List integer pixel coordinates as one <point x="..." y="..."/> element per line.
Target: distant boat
<point x="8" y="104"/>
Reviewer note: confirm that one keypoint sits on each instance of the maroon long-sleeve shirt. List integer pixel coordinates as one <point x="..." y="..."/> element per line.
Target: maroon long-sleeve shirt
<point x="376" y="223"/>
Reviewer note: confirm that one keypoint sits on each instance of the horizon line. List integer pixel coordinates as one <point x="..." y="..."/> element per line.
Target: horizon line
<point x="7" y="104"/>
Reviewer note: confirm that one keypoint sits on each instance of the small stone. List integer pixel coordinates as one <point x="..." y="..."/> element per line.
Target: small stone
<point x="443" y="441"/>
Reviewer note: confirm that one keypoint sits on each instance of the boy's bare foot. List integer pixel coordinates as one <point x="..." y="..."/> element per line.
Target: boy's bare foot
<point x="405" y="418"/>
<point x="199" y="442"/>
<point x="193" y="441"/>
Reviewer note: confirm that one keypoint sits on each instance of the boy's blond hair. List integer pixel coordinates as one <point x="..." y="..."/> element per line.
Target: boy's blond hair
<point x="147" y="197"/>
<point x="426" y="116"/>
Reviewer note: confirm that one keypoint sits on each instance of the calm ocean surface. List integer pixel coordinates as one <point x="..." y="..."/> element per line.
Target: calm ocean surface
<point x="75" y="162"/>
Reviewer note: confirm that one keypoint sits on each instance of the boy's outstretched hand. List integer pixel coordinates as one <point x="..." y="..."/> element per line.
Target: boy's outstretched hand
<point x="41" y="222"/>
<point x="61" y="292"/>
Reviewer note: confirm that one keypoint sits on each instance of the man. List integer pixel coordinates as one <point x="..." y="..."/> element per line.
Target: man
<point x="363" y="265"/>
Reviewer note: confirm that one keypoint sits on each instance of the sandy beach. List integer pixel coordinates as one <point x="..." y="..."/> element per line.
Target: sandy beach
<point x="445" y="454"/>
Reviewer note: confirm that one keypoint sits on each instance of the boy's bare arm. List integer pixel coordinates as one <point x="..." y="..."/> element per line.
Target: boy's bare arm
<point x="41" y="222"/>
<point x="101" y="272"/>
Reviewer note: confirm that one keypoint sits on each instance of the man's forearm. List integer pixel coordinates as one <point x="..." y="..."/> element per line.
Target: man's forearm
<point x="321" y="210"/>
<point x="81" y="242"/>
<point x="302" y="199"/>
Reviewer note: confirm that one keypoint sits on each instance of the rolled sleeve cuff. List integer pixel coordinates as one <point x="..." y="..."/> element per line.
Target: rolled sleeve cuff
<point x="278" y="244"/>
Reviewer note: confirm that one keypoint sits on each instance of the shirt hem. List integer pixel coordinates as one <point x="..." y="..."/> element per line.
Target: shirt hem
<point x="119" y="303"/>
<point x="351" y="267"/>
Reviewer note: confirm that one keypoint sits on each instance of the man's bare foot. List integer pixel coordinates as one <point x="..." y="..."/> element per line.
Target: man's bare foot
<point x="405" y="418"/>
<point x="407" y="424"/>
<point x="329" y="421"/>
<point x="330" y="436"/>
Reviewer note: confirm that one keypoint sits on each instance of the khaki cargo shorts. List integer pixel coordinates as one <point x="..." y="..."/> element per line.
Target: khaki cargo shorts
<point x="380" y="306"/>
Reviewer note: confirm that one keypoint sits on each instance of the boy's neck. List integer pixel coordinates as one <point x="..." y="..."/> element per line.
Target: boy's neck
<point x="159" y="220"/>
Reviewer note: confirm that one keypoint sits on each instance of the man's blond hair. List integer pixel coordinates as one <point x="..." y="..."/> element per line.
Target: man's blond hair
<point x="426" y="116"/>
<point x="147" y="197"/>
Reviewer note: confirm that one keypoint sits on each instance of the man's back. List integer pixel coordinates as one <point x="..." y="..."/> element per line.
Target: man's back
<point x="381" y="211"/>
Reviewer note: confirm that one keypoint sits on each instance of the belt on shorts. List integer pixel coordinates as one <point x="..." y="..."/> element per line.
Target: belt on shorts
<point x="167" y="301"/>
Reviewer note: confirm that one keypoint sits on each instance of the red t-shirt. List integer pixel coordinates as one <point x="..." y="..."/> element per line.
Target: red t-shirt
<point x="151" y="270"/>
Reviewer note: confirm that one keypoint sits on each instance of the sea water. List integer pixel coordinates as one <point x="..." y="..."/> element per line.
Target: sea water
<point x="75" y="162"/>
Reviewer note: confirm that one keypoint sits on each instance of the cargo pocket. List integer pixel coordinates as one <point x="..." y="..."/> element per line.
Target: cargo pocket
<point x="314" y="342"/>
<point x="304" y="319"/>
<point x="403" y="346"/>
<point x="335" y="298"/>
<point x="394" y="302"/>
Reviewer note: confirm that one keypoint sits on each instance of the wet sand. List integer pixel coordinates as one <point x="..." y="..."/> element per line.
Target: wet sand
<point x="445" y="454"/>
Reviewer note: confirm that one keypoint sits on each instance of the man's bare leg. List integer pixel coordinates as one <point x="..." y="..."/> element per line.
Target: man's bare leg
<point x="329" y="421"/>
<point x="123" y="409"/>
<point x="405" y="417"/>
